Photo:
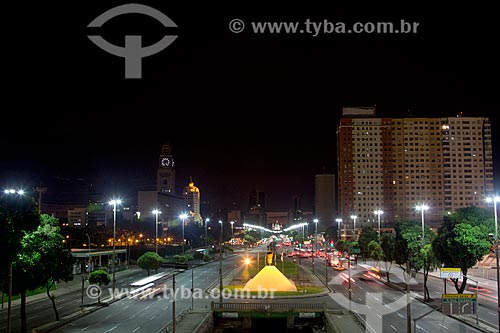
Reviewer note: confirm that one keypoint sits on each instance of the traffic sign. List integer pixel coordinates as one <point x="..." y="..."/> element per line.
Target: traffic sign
<point x="458" y="298"/>
<point x="450" y="273"/>
<point x="459" y="308"/>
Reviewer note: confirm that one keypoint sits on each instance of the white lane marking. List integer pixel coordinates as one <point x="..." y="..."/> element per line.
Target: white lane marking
<point x="126" y="307"/>
<point x="394" y="328"/>
<point x="152" y="317"/>
<point x="111" y="329"/>
<point x="147" y="307"/>
<point x="400" y="315"/>
<point x="379" y="316"/>
<point x="136" y="328"/>
<point x="369" y="307"/>
<point x="443" y="326"/>
<point x="83" y="329"/>
<point x="421" y="328"/>
<point x="165" y="308"/>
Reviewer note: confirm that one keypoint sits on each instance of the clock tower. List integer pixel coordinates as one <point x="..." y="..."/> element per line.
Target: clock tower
<point x="165" y="179"/>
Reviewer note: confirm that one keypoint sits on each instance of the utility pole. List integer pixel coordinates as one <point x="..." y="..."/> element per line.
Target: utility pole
<point x="40" y="191"/>
<point x="220" y="264"/>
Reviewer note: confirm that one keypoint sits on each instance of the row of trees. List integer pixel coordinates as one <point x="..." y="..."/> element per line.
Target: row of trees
<point x="462" y="240"/>
<point x="32" y="248"/>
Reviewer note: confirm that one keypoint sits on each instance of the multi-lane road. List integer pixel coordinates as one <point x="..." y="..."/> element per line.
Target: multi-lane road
<point x="383" y="308"/>
<point x="152" y="314"/>
<point x="41" y="311"/>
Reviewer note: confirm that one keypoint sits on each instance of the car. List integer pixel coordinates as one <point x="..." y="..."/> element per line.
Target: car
<point x="372" y="274"/>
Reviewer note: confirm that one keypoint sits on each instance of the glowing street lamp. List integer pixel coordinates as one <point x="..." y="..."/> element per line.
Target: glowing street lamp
<point x="338" y="220"/>
<point x="232" y="232"/>
<point x="183" y="217"/>
<point x="422" y="208"/>
<point x="206" y="223"/>
<point x="156" y="212"/>
<point x="314" y="243"/>
<point x="378" y="212"/>
<point x="495" y="200"/>
<point x="9" y="306"/>
<point x="354" y="217"/>
<point x="220" y="263"/>
<point x="114" y="203"/>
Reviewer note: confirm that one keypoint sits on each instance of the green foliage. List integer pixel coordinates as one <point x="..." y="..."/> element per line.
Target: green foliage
<point x="56" y="262"/>
<point x="462" y="241"/>
<point x="249" y="238"/>
<point x="99" y="277"/>
<point x="375" y="251"/>
<point x="149" y="261"/>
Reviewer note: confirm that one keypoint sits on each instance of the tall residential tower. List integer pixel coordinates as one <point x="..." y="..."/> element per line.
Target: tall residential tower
<point x="395" y="164"/>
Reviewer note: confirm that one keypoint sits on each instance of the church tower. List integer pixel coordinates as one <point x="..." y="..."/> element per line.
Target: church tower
<point x="165" y="179"/>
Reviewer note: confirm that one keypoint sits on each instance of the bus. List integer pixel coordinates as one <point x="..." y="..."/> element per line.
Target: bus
<point x="149" y="286"/>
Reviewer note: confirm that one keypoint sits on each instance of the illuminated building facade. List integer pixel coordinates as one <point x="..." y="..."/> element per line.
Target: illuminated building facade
<point x="395" y="164"/>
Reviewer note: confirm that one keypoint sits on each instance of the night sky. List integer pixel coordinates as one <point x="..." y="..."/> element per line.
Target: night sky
<point x="241" y="111"/>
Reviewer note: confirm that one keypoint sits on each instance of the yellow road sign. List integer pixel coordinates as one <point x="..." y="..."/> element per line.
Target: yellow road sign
<point x="470" y="296"/>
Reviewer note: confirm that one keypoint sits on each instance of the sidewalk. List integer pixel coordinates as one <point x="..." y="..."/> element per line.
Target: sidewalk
<point x="64" y="288"/>
<point x="397" y="282"/>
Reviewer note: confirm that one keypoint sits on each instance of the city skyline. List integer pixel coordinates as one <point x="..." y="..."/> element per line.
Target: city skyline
<point x="241" y="111"/>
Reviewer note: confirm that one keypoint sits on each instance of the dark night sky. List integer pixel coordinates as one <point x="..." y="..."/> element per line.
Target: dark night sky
<point x="242" y="111"/>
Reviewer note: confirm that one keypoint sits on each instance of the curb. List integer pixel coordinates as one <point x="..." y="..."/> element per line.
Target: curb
<point x="487" y="329"/>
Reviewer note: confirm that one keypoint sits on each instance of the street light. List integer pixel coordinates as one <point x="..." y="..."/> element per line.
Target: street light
<point x="495" y="200"/>
<point x="156" y="212"/>
<point x="422" y="208"/>
<point x="89" y="250"/>
<point x="339" y="220"/>
<point x="378" y="212"/>
<point x="114" y="203"/>
<point x="183" y="217"/>
<point x="314" y="242"/>
<point x="206" y="222"/>
<point x="9" y="306"/>
<point x="232" y="232"/>
<point x="354" y="217"/>
<point x="220" y="263"/>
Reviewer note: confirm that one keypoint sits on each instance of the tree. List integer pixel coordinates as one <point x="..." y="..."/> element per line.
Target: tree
<point x="430" y="262"/>
<point x="388" y="245"/>
<point x="375" y="251"/>
<point x="55" y="262"/>
<point x="101" y="278"/>
<point x="460" y="244"/>
<point x="149" y="260"/>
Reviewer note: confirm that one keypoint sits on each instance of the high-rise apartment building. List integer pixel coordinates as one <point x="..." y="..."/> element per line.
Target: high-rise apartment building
<point x="395" y="164"/>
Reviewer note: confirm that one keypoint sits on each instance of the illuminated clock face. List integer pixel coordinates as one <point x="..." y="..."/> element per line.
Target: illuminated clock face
<point x="165" y="162"/>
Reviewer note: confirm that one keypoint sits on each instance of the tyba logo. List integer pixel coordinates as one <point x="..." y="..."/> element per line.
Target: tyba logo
<point x="133" y="52"/>
<point x="374" y="308"/>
